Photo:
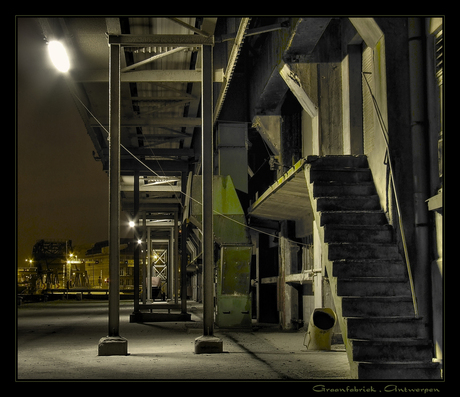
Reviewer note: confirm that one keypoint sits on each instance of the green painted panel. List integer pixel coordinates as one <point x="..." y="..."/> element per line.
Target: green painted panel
<point x="236" y="267"/>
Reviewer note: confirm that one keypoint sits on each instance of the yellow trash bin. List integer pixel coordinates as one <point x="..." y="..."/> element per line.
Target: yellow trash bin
<point x="319" y="332"/>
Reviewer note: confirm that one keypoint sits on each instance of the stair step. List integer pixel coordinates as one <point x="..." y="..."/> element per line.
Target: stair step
<point x="376" y="286"/>
<point x="347" y="268"/>
<point x="345" y="203"/>
<point x="353" y="306"/>
<point x="363" y="251"/>
<point x="370" y="278"/>
<point x="403" y="349"/>
<point x="382" y="327"/>
<point x="358" y="233"/>
<point x="338" y="188"/>
<point x="408" y="370"/>
<point x="358" y="161"/>
<point x="341" y="174"/>
<point x="353" y="218"/>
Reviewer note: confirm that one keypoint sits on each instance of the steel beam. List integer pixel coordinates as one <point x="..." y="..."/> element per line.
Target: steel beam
<point x="140" y="76"/>
<point x="155" y="165"/>
<point x="190" y="27"/>
<point x="153" y="122"/>
<point x="181" y="97"/>
<point x="169" y="40"/>
<point x="147" y="76"/>
<point x="153" y="58"/>
<point x="231" y="65"/>
<point x="160" y="152"/>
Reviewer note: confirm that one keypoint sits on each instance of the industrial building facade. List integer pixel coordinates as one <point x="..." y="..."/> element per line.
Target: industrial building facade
<point x="283" y="164"/>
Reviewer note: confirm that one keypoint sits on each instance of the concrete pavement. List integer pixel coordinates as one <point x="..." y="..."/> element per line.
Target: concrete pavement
<point x="58" y="340"/>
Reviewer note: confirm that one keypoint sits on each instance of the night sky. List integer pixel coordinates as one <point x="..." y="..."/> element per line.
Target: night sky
<point x="62" y="192"/>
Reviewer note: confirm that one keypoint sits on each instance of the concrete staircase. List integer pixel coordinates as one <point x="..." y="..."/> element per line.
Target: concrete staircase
<point x="367" y="274"/>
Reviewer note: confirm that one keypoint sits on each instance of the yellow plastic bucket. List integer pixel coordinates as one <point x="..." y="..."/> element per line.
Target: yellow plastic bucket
<point x="319" y="332"/>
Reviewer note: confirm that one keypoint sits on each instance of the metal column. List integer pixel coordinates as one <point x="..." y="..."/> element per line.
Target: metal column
<point x="176" y="257"/>
<point x="137" y="246"/>
<point x="114" y="344"/>
<point x="144" y="257"/>
<point x="170" y="266"/>
<point x="183" y="263"/>
<point x="207" y="343"/>
<point x="148" y="276"/>
<point x="114" y="190"/>
<point x="207" y="166"/>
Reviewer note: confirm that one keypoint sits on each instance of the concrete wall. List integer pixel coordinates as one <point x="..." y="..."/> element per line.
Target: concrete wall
<point x="330" y="77"/>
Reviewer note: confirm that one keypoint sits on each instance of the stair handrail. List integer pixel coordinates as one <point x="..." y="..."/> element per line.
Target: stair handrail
<point x="400" y="221"/>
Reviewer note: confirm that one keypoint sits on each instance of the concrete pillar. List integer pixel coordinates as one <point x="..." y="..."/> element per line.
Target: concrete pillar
<point x="352" y="114"/>
<point x="422" y="265"/>
<point x="289" y="299"/>
<point x="318" y="264"/>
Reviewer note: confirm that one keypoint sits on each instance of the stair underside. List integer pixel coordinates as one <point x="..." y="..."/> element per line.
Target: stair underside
<point x="372" y="293"/>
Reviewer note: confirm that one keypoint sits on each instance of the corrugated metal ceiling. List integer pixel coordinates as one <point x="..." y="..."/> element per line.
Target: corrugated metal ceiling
<point x="176" y="61"/>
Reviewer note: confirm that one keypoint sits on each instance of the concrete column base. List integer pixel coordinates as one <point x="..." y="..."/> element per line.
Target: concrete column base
<point x="112" y="346"/>
<point x="208" y="344"/>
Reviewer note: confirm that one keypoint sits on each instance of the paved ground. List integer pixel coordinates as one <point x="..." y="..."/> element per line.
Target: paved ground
<point x="58" y="340"/>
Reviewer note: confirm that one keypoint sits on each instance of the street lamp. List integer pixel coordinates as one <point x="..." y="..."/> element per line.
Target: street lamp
<point x="58" y="56"/>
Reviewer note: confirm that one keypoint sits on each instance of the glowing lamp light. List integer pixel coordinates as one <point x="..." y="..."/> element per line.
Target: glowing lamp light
<point x="58" y="56"/>
<point x="131" y="224"/>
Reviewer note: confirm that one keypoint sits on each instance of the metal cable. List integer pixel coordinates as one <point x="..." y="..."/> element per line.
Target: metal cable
<point x="184" y="193"/>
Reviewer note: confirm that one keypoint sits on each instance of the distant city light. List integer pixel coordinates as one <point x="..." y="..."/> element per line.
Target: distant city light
<point x="58" y="56"/>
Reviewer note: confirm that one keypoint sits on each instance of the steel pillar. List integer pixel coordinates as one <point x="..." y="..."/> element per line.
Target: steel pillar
<point x="148" y="275"/>
<point x="170" y="266"/>
<point x="176" y="257"/>
<point x="183" y="269"/>
<point x="135" y="241"/>
<point x="183" y="263"/>
<point x="207" y="343"/>
<point x="114" y="191"/>
<point x="114" y="344"/>
<point x="144" y="257"/>
<point x="207" y="201"/>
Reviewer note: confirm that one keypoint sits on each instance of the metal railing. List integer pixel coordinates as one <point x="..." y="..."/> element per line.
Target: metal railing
<point x="401" y="226"/>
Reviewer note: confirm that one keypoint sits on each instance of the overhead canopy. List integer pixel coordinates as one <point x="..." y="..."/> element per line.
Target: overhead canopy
<point x="160" y="97"/>
<point x="286" y="199"/>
